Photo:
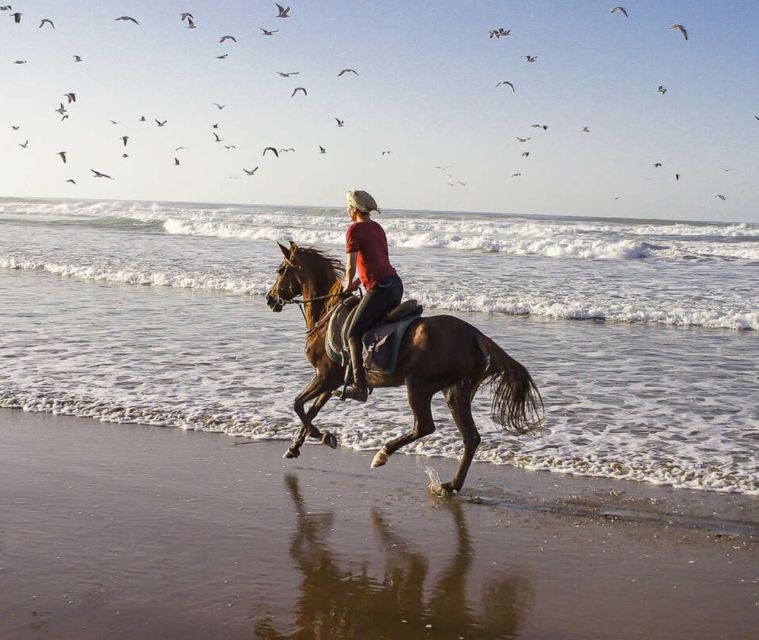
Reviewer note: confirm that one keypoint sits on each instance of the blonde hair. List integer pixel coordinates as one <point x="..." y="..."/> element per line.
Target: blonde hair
<point x="362" y="201"/>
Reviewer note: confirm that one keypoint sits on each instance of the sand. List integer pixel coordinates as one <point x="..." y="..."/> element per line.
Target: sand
<point x="125" y="531"/>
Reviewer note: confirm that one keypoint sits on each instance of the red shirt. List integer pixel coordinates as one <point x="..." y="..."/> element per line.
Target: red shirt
<point x="368" y="240"/>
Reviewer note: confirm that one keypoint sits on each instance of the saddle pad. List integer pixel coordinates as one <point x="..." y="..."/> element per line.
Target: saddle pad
<point x="335" y="343"/>
<point x="382" y="344"/>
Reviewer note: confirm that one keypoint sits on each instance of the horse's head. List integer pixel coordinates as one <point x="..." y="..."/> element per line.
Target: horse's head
<point x="288" y="284"/>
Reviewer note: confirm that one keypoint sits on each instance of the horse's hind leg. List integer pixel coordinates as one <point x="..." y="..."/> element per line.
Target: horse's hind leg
<point x="459" y="399"/>
<point x="327" y="437"/>
<point x="419" y="398"/>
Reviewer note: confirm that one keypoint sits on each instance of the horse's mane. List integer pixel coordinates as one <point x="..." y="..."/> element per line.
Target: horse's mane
<point x="317" y="262"/>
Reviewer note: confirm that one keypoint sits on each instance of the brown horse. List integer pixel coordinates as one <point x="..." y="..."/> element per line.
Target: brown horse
<point x="438" y="353"/>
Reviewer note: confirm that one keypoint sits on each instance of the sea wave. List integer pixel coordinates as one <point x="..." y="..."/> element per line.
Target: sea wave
<point x="534" y="457"/>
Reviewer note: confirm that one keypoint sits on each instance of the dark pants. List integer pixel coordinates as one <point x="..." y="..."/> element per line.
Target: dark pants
<point x="374" y="306"/>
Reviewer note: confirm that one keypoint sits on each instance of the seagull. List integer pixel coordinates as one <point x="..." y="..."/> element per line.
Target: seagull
<point x="180" y="148"/>
<point x="677" y="176"/>
<point x="525" y="154"/>
<point x="322" y="150"/>
<point x="661" y="89"/>
<point x="124" y="140"/>
<point x="721" y="197"/>
<point x="657" y="164"/>
<point x="463" y="184"/>
<point x="757" y="118"/>
<point x="23" y="146"/>
<point x="499" y="33"/>
<point x="15" y="127"/>
<point x="218" y="106"/>
<point x="726" y="170"/>
<point x="71" y="180"/>
<point x="585" y="129"/>
<point x="216" y="135"/>
<point x="190" y="24"/>
<point x="124" y="155"/>
<point x="305" y="93"/>
<point x="523" y="139"/>
<point x="230" y="146"/>
<point x="284" y="12"/>
<point x="143" y="119"/>
<point x="508" y="83"/>
<point x="77" y="58"/>
<point x="269" y="33"/>
<point x="531" y="58"/>
<point x="619" y="10"/>
<point x="515" y="175"/>
<point x="272" y="149"/>
<point x="66" y="117"/>
<point x="288" y="150"/>
<point x="60" y="109"/>
<point x="386" y="152"/>
<point x="250" y="172"/>
<point x="127" y="18"/>
<point x="222" y="57"/>
<point x="160" y="123"/>
<point x="347" y="71"/>
<point x="97" y="174"/>
<point x="44" y="20"/>
<point x="681" y="29"/>
<point x="176" y="162"/>
<point x="215" y="125"/>
<point x="63" y="156"/>
<point x="19" y="62"/>
<point x="186" y="16"/>
<point x="540" y="126"/>
<point x="340" y="123"/>
<point x="224" y="38"/>
<point x="445" y="168"/>
<point x="17" y="17"/>
<point x="7" y="7"/>
<point x="71" y="97"/>
<point x="114" y="122"/>
<point x="288" y="74"/>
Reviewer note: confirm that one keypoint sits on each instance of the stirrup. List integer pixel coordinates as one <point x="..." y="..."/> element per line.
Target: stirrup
<point x="361" y="394"/>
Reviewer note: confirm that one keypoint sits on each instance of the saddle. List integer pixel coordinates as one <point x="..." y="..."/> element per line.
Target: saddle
<point x="381" y="343"/>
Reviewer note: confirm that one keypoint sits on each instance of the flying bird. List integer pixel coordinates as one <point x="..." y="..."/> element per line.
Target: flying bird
<point x="48" y="21"/>
<point x="24" y="145"/>
<point x="540" y="126"/>
<point x="531" y="58"/>
<point x="657" y="164"/>
<point x="225" y="38"/>
<point x="63" y="156"/>
<point x="215" y="125"/>
<point x="71" y="97"/>
<point x="500" y="32"/>
<point x="160" y="123"/>
<point x="15" y="127"/>
<point x="126" y="18"/>
<point x="322" y="149"/>
<point x="386" y="152"/>
<point x="7" y="7"/>
<point x="98" y="174"/>
<point x="525" y="154"/>
<point x="347" y="71"/>
<point x="124" y="155"/>
<point x="523" y="139"/>
<point x="176" y="161"/>
<point x="180" y="148"/>
<point x="17" y="17"/>
<point x="190" y="24"/>
<point x="273" y="150"/>
<point x="250" y="172"/>
<point x="218" y="106"/>
<point x="143" y="119"/>
<point x="284" y="12"/>
<point x="124" y="140"/>
<point x="508" y="83"/>
<point x="287" y="150"/>
<point x="186" y="16"/>
<point x="619" y="10"/>
<point x="71" y="180"/>
<point x="114" y="122"/>
<point x="305" y="93"/>
<point x="77" y="58"/>
<point x="661" y="89"/>
<point x="340" y="123"/>
<point x="60" y="109"/>
<point x="515" y="175"/>
<point x="677" y="176"/>
<point x="269" y="33"/>
<point x="230" y="146"/>
<point x="721" y="197"/>
<point x="585" y="129"/>
<point x="216" y="135"/>
<point x="19" y="62"/>
<point x="288" y="74"/>
<point x="681" y="29"/>
<point x="222" y="56"/>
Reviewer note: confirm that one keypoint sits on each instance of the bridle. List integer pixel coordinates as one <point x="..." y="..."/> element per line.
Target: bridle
<point x="302" y="303"/>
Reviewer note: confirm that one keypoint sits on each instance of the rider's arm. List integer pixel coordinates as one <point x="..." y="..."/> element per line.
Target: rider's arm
<point x="351" y="283"/>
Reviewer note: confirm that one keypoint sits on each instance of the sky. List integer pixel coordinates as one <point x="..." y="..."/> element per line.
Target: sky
<point x="425" y="91"/>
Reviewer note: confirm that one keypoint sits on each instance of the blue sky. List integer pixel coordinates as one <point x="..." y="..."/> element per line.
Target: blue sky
<point x="425" y="91"/>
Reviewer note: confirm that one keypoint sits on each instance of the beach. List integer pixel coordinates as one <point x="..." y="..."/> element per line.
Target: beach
<point x="130" y="531"/>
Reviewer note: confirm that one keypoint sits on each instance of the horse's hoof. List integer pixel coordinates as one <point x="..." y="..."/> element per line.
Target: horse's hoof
<point x="380" y="458"/>
<point x="329" y="439"/>
<point x="291" y="453"/>
<point x="448" y="488"/>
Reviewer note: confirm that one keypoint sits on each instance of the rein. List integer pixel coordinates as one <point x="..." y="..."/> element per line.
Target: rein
<point x="301" y="303"/>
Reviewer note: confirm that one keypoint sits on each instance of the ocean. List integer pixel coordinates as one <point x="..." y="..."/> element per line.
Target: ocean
<point x="642" y="335"/>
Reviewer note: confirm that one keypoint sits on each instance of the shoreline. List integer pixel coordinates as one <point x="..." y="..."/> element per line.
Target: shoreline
<point x="122" y="531"/>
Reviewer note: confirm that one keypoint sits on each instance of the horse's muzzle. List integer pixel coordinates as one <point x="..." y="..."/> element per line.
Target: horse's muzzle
<point x="274" y="303"/>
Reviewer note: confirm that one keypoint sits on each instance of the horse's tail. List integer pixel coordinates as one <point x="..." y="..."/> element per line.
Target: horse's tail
<point x="517" y="405"/>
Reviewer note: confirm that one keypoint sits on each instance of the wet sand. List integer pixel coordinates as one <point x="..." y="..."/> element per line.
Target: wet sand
<point x="124" y="531"/>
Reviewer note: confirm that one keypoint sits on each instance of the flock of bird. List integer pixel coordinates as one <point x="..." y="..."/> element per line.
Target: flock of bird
<point x="188" y="20"/>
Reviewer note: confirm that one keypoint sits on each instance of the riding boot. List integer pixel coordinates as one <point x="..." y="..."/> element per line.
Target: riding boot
<point x="357" y="390"/>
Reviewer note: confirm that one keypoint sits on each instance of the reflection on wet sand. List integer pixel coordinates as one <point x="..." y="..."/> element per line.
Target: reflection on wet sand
<point x="337" y="604"/>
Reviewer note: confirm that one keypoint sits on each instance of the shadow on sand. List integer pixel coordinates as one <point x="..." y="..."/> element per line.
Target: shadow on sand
<point x="337" y="604"/>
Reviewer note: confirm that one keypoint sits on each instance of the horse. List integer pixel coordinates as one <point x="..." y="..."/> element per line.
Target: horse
<point x="439" y="353"/>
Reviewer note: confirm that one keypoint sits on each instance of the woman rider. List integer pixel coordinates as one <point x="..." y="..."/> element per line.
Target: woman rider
<point x="366" y="249"/>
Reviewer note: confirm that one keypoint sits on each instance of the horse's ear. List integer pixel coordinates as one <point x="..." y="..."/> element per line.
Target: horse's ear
<point x="285" y="251"/>
<point x="293" y="249"/>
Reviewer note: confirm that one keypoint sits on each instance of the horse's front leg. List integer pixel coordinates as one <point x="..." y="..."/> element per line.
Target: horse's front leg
<point x="315" y="389"/>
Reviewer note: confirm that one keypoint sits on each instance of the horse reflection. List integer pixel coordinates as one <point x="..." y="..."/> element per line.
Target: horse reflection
<point x="337" y="604"/>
